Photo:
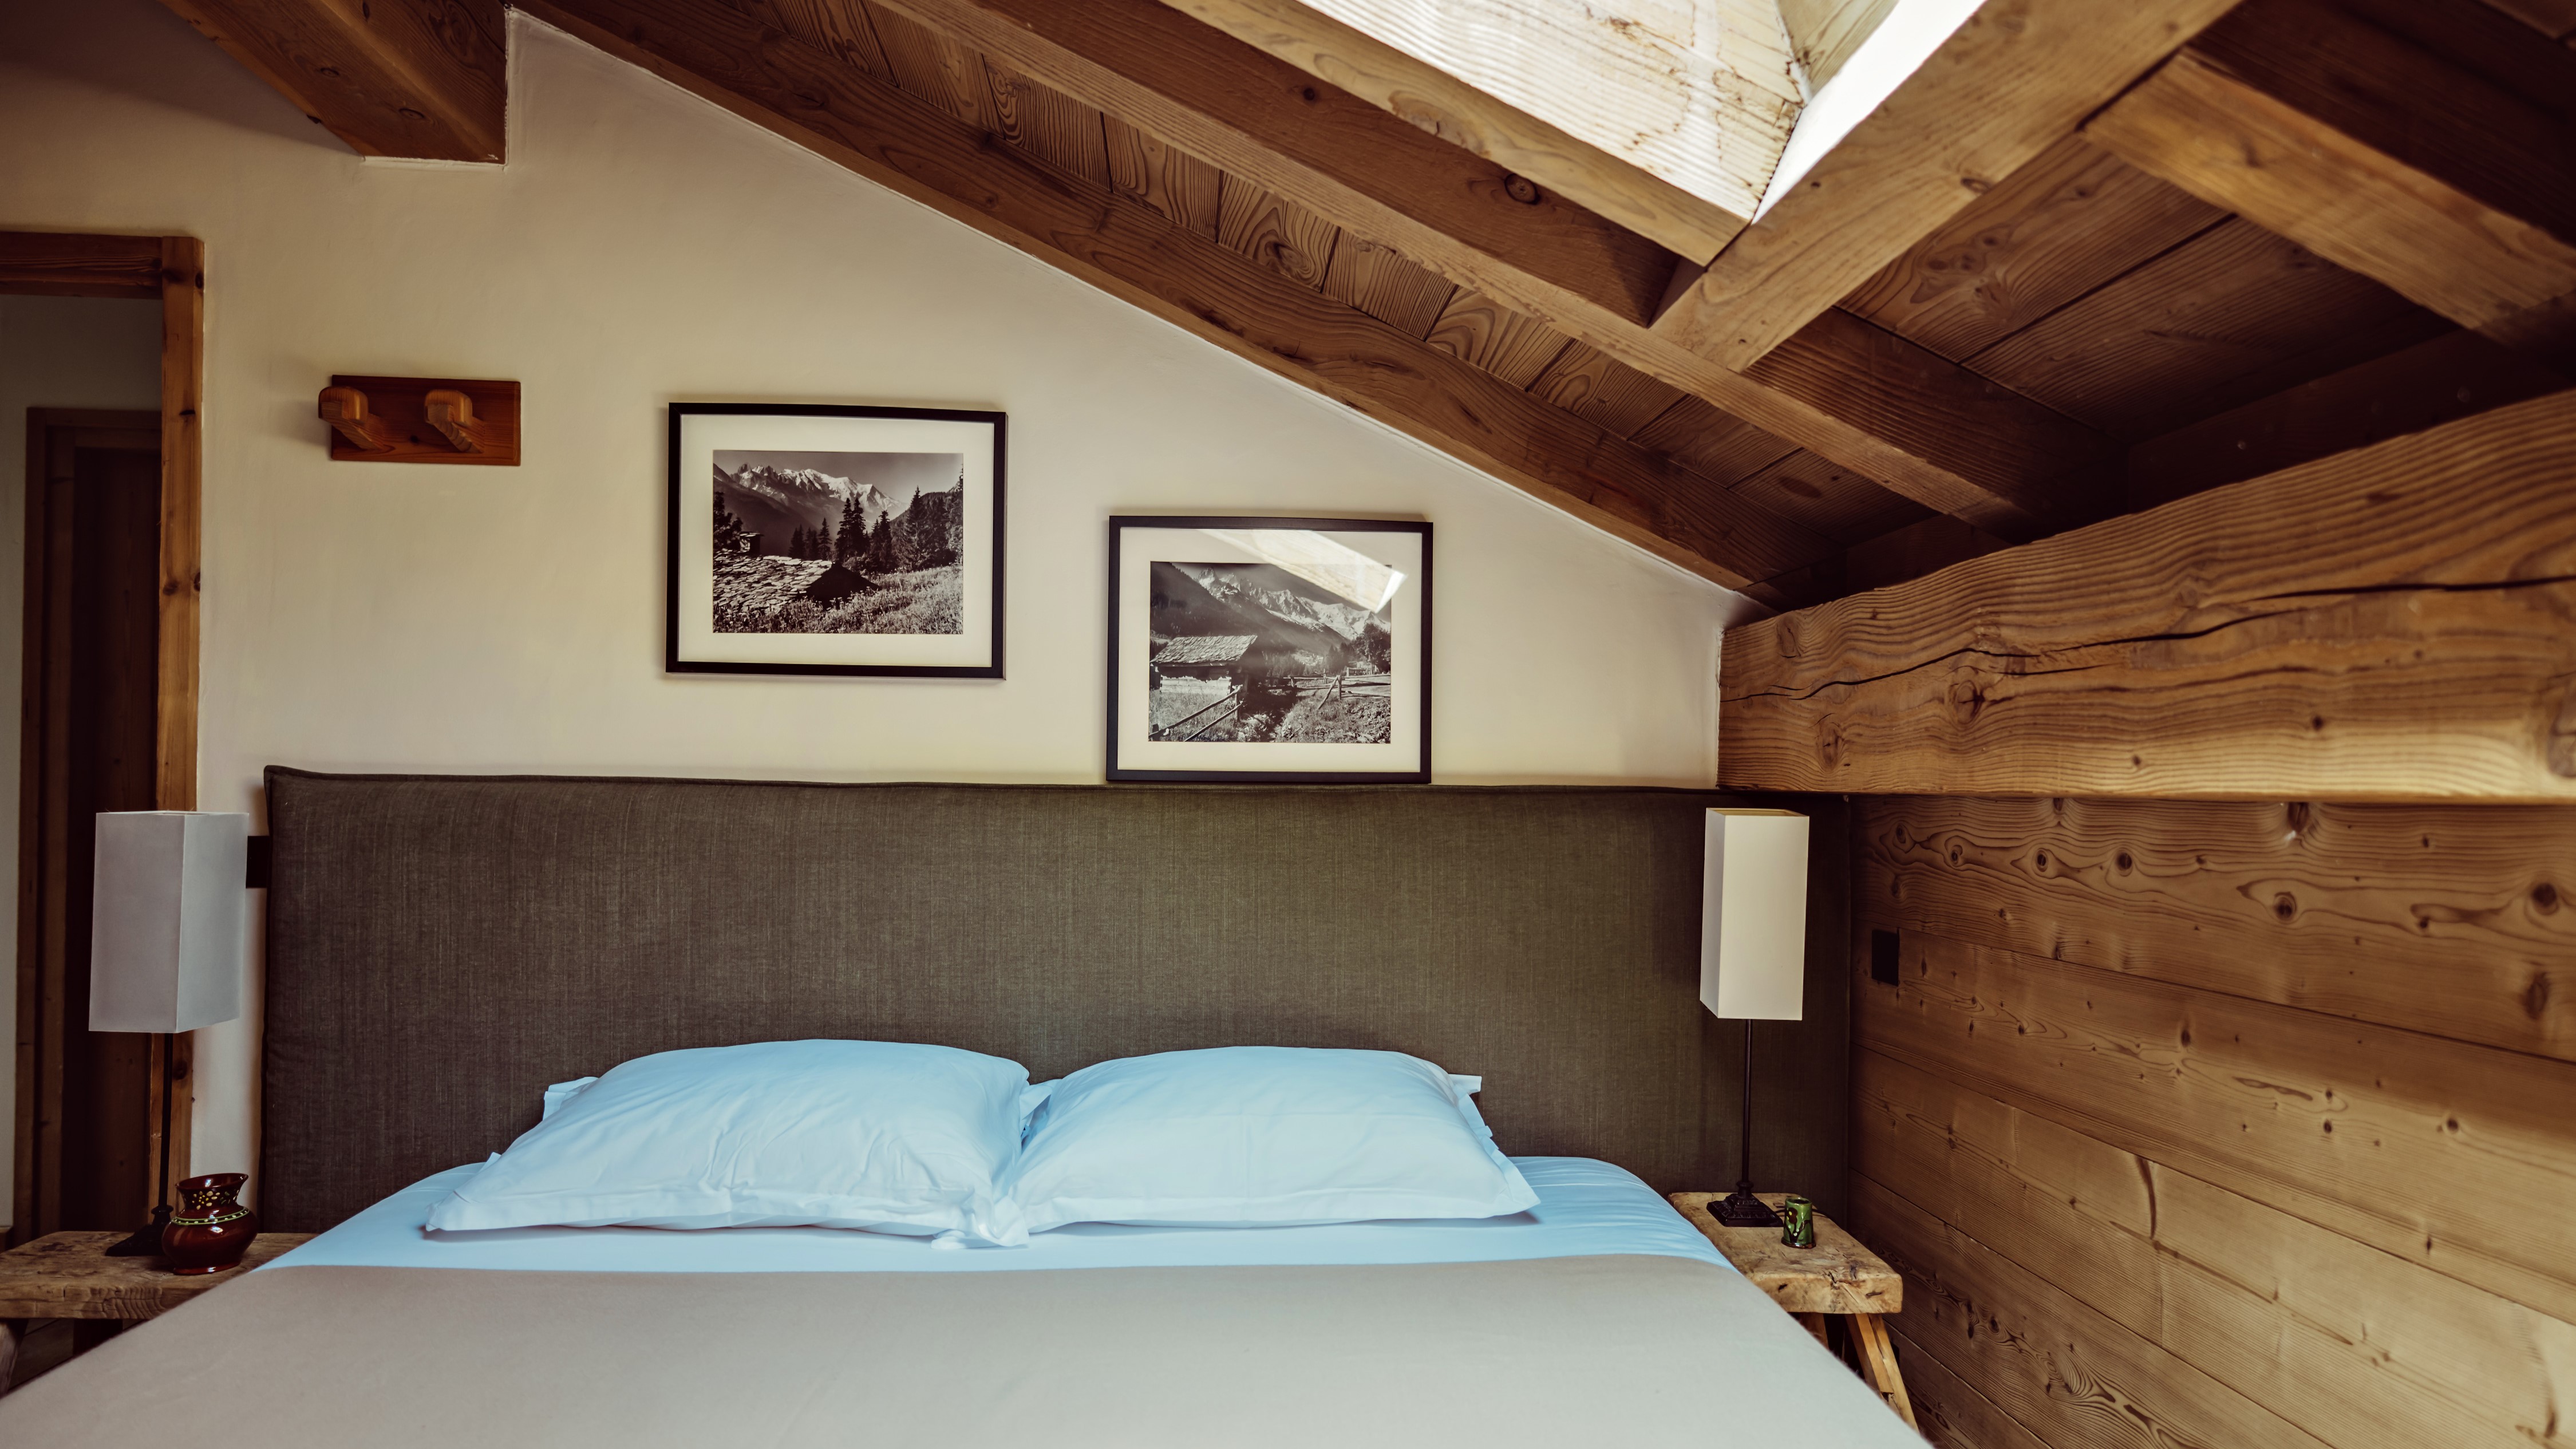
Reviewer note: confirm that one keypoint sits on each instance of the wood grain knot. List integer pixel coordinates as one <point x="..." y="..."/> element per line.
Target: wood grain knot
<point x="2285" y="907"/>
<point x="1966" y="698"/>
<point x="2544" y="898"/>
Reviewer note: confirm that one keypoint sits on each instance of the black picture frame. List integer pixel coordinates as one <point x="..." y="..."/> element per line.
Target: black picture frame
<point x="1120" y="656"/>
<point x="676" y="651"/>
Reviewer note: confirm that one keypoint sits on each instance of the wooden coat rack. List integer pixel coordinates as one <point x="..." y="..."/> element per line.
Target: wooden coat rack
<point x="422" y="420"/>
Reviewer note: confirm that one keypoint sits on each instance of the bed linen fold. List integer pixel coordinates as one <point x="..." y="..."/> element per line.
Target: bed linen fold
<point x="1585" y="1207"/>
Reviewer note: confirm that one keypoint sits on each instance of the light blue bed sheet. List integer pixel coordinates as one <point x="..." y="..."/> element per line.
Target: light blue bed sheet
<point x="1585" y="1208"/>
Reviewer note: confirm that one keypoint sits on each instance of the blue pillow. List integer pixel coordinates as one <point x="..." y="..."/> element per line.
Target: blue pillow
<point x="891" y="1136"/>
<point x="1262" y="1136"/>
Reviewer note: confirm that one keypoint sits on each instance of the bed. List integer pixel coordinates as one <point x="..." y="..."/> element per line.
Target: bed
<point x="440" y="949"/>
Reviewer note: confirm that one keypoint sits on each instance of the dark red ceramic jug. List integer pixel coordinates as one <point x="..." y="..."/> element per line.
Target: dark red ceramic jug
<point x="211" y="1230"/>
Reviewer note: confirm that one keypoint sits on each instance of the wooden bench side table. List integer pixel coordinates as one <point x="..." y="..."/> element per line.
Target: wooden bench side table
<point x="1837" y="1276"/>
<point x="69" y="1275"/>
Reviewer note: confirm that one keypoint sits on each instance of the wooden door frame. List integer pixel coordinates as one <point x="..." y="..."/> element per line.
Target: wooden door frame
<point x="172" y="270"/>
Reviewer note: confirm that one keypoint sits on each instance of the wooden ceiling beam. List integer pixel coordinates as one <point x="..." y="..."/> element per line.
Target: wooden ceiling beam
<point x="1623" y="137"/>
<point x="2441" y="162"/>
<point x="2015" y="79"/>
<point x="1847" y="390"/>
<point x="2342" y="630"/>
<point x="427" y="79"/>
<point x="1190" y="278"/>
<point x="1265" y="120"/>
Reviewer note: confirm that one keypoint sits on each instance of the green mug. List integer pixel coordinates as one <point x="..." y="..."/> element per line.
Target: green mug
<point x="1797" y="1222"/>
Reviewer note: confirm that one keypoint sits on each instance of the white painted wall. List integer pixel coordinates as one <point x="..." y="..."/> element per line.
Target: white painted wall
<point x="55" y="352"/>
<point x="642" y="246"/>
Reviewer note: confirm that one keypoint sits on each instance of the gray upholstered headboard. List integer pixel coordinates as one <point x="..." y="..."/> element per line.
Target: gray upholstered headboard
<point x="441" y="947"/>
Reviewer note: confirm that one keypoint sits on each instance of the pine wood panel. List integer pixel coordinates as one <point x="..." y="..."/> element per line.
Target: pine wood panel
<point x="2363" y="1350"/>
<point x="2372" y="150"/>
<point x="1478" y="330"/>
<point x="1381" y="282"/>
<point x="2073" y="219"/>
<point x="2020" y="451"/>
<point x="1833" y="501"/>
<point x="1048" y="124"/>
<point x="1601" y="390"/>
<point x="1209" y="290"/>
<point x="1411" y="72"/>
<point x="2459" y="922"/>
<point x="419" y="78"/>
<point x="2004" y="88"/>
<point x="2528" y="85"/>
<point x="840" y="27"/>
<point x="1915" y="550"/>
<point x="2333" y="1121"/>
<point x="1724" y="449"/>
<point x="2384" y="333"/>
<point x="1150" y="170"/>
<point x="2072" y="1375"/>
<point x="2342" y="630"/>
<point x="2456" y="375"/>
<point x="2229" y="302"/>
<point x="1274" y="231"/>
<point x="1953" y="1415"/>
<point x="934" y="67"/>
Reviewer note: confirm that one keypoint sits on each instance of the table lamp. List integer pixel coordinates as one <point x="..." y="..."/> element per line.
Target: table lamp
<point x="1753" y="952"/>
<point x="167" y="953"/>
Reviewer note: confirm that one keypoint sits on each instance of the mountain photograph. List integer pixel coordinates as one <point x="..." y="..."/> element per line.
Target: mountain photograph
<point x="1250" y="652"/>
<point x="839" y="543"/>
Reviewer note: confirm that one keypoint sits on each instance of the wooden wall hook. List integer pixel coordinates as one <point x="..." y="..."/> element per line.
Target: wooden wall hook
<point x="452" y="413"/>
<point x="345" y="409"/>
<point x="423" y="420"/>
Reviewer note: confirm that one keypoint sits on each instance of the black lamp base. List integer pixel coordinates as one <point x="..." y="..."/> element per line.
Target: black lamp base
<point x="1743" y="1210"/>
<point x="146" y="1242"/>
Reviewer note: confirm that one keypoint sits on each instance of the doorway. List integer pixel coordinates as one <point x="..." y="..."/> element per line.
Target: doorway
<point x="88" y="725"/>
<point x="108" y="721"/>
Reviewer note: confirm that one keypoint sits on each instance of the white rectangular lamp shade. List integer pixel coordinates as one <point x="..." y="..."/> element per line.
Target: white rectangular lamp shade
<point x="1753" y="916"/>
<point x="167" y="914"/>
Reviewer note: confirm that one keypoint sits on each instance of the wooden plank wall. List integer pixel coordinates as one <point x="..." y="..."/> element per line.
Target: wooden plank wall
<point x="2218" y="1124"/>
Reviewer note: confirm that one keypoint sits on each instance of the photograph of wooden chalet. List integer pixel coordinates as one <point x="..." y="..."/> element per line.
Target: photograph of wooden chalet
<point x="2108" y="465"/>
<point x="1314" y="669"/>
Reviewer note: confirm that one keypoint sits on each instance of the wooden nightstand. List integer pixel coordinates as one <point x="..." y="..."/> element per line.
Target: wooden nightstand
<point x="69" y="1275"/>
<point x="1837" y="1276"/>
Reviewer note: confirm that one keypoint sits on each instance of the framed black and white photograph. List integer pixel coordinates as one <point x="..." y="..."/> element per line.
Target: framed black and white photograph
<point x="1280" y="650"/>
<point x="835" y="540"/>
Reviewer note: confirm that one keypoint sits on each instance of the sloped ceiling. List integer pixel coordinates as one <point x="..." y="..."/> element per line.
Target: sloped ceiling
<point x="2024" y="289"/>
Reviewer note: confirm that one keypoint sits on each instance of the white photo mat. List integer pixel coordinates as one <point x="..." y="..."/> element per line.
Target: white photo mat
<point x="701" y="435"/>
<point x="1140" y="544"/>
